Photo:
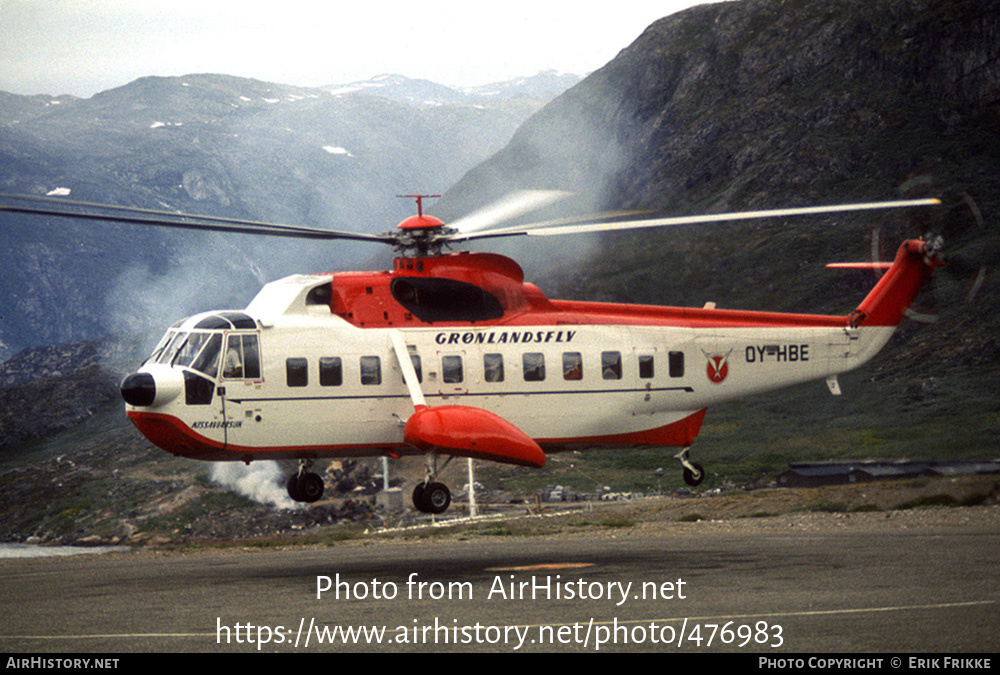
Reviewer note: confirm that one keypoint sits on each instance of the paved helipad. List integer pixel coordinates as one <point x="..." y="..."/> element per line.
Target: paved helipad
<point x="751" y="587"/>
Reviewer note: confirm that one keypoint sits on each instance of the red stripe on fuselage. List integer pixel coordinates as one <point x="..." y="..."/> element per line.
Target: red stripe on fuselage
<point x="574" y="312"/>
<point x="173" y="435"/>
<point x="176" y="437"/>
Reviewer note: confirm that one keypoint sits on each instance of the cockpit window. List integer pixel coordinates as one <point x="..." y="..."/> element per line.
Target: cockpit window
<point x="189" y="350"/>
<point x="227" y="321"/>
<point x="239" y="319"/>
<point x="214" y="322"/>
<point x="192" y="350"/>
<point x="208" y="360"/>
<point x="242" y="359"/>
<point x="160" y="346"/>
<point x="170" y="351"/>
<point x="202" y="351"/>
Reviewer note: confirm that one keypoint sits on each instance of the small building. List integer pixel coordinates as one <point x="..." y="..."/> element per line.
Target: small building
<point x="814" y="474"/>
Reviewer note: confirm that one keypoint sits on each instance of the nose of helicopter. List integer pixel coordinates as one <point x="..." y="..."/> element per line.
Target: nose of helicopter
<point x="139" y="389"/>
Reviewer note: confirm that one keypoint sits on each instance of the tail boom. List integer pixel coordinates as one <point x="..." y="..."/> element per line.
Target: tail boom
<point x="887" y="303"/>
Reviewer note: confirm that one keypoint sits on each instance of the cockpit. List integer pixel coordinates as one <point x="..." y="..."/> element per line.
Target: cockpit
<point x="199" y="346"/>
<point x="190" y="349"/>
<point x="196" y="347"/>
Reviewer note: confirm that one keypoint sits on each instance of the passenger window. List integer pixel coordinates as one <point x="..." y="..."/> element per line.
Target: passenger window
<point x="242" y="358"/>
<point x="676" y="364"/>
<point x="451" y="369"/>
<point x="493" y="367"/>
<point x="371" y="370"/>
<point x="331" y="371"/>
<point x="646" y="369"/>
<point x="572" y="366"/>
<point x="296" y="372"/>
<point x="534" y="367"/>
<point x="611" y="365"/>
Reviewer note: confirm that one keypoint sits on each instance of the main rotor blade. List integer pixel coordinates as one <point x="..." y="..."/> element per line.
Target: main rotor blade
<point x="507" y="207"/>
<point x="548" y="231"/>
<point x="155" y="218"/>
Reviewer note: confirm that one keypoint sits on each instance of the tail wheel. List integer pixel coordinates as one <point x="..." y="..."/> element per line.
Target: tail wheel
<point x="695" y="475"/>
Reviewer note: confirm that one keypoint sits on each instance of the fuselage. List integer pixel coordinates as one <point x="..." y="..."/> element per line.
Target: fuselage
<point x="308" y="369"/>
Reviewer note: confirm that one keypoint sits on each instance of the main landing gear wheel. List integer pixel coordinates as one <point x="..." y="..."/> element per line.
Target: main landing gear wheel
<point x="693" y="473"/>
<point x="305" y="486"/>
<point x="431" y="498"/>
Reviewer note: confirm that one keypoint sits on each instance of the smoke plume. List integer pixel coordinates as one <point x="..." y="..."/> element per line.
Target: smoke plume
<point x="262" y="481"/>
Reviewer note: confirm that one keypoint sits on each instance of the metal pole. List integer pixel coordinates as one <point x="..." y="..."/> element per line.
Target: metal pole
<point x="473" y="511"/>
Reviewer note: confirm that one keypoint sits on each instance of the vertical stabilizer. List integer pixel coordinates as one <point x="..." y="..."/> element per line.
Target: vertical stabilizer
<point x="886" y="304"/>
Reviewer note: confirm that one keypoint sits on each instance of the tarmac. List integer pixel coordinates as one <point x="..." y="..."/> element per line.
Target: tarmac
<point x="755" y="586"/>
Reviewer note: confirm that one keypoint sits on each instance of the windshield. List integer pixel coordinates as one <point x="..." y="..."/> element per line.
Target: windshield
<point x="161" y="345"/>
<point x="208" y="359"/>
<point x="168" y="353"/>
<point x="190" y="348"/>
<point x="196" y="349"/>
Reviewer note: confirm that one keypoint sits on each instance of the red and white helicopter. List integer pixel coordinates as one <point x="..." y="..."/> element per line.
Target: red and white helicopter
<point x="455" y="355"/>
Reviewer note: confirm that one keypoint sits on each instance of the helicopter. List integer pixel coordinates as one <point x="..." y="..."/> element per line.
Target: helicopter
<point x="453" y="354"/>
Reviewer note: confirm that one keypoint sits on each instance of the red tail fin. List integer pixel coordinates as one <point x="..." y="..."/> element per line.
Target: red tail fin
<point x="899" y="286"/>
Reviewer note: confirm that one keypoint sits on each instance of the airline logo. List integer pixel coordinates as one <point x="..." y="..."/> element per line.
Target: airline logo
<point x="718" y="367"/>
<point x="504" y="337"/>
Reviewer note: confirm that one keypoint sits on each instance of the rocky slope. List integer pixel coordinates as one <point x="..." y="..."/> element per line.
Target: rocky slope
<point x="749" y="103"/>
<point x="762" y="104"/>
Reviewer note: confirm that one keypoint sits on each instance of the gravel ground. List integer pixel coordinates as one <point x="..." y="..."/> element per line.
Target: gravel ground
<point x="925" y="504"/>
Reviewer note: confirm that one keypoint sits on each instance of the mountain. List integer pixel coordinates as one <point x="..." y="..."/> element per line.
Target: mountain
<point x="764" y="104"/>
<point x="542" y="86"/>
<point x="402" y="89"/>
<point x="750" y="103"/>
<point x="546" y="84"/>
<point x="215" y="145"/>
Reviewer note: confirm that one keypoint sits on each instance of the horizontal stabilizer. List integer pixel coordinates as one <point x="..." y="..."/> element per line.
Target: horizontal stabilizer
<point x="860" y="265"/>
<point x="471" y="432"/>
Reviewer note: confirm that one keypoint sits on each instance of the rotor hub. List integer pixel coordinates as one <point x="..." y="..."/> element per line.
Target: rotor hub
<point x="421" y="222"/>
